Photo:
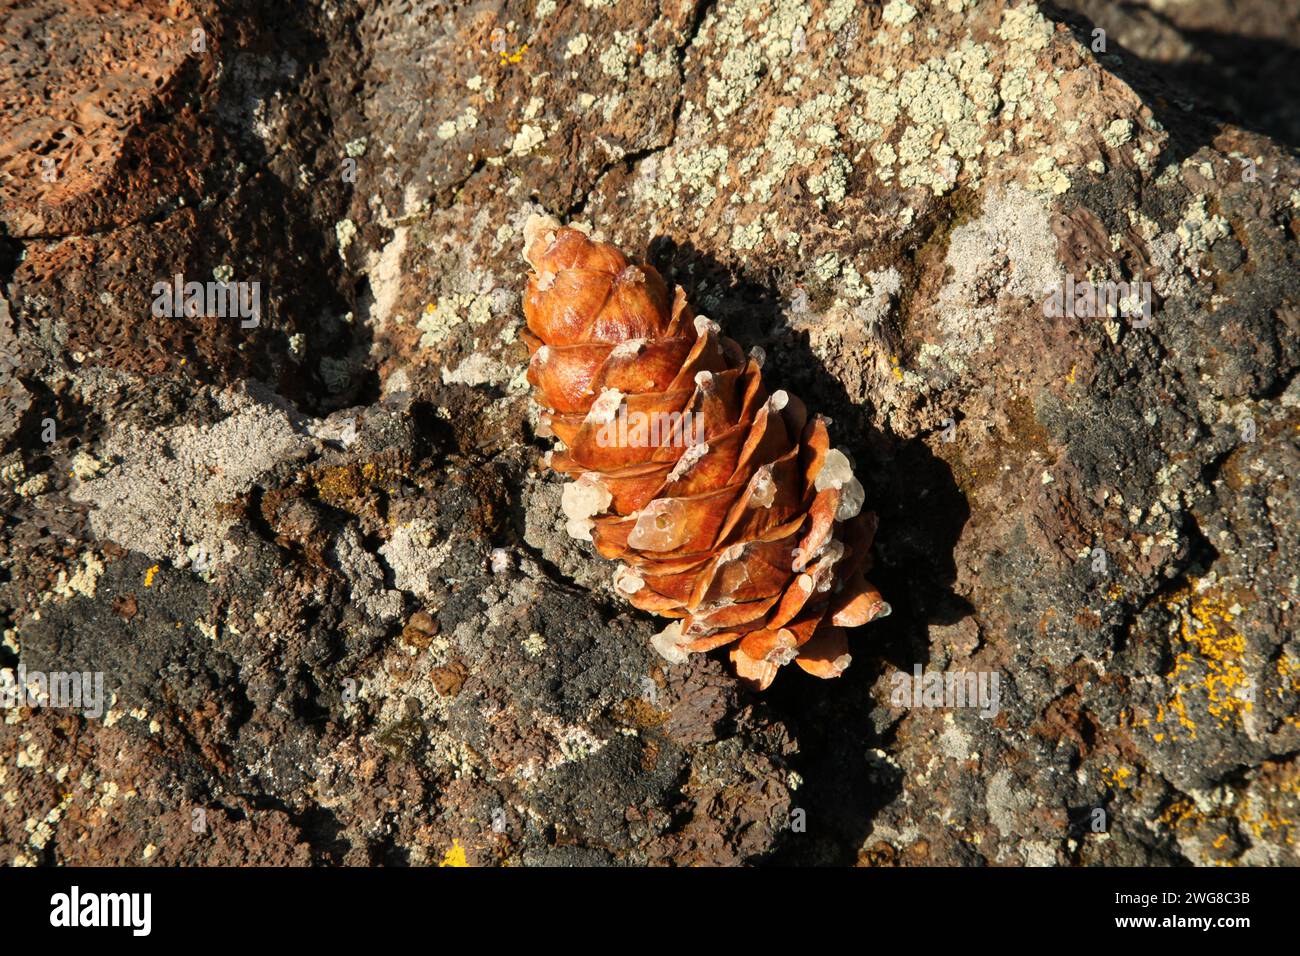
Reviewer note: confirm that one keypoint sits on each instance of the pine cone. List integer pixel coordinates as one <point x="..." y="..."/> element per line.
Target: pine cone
<point x="727" y="506"/>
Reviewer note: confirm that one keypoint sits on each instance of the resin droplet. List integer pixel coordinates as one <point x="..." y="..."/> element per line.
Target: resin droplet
<point x="579" y="501"/>
<point x="762" y="487"/>
<point x="661" y="526"/>
<point x="605" y="408"/>
<point x="689" y="457"/>
<point x="705" y="325"/>
<point x="732" y="572"/>
<point x="852" y="496"/>
<point x="785" y="650"/>
<point x="668" y="643"/>
<point x="629" y="349"/>
<point x="823" y="574"/>
<point x="627" y="580"/>
<point x="836" y="471"/>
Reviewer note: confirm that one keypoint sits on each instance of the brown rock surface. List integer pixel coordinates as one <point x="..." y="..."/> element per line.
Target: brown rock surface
<point x="239" y="527"/>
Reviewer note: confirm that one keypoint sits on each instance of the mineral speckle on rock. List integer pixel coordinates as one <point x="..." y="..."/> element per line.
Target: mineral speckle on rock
<point x="280" y="543"/>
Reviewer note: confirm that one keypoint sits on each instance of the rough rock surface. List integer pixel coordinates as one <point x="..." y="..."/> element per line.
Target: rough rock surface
<point x="328" y="591"/>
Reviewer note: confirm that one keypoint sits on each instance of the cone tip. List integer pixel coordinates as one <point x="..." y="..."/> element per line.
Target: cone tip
<point x="538" y="228"/>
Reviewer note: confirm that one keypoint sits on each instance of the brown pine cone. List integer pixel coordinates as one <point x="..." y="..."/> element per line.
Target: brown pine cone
<point x="727" y="506"/>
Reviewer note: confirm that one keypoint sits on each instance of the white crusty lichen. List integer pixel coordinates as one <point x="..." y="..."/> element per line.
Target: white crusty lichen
<point x="474" y="298"/>
<point x="1014" y="227"/>
<point x="527" y="139"/>
<point x="465" y="121"/>
<point x="345" y="231"/>
<point x="170" y="487"/>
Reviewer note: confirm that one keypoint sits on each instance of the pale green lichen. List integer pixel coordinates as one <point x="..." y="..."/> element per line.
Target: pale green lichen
<point x="836" y="14"/>
<point x="1199" y="230"/>
<point x="659" y="64"/>
<point x="758" y="38"/>
<point x="831" y="184"/>
<point x="82" y="581"/>
<point x="527" y="139"/>
<point x="1026" y="28"/>
<point x="577" y="46"/>
<point x="467" y="120"/>
<point x="898" y="14"/>
<point x="344" y="232"/>
<point x="1118" y="133"/>
<point x="617" y="56"/>
<point x="944" y="120"/>
<point x="85" y="466"/>
<point x="474" y="304"/>
<point x="698" y="172"/>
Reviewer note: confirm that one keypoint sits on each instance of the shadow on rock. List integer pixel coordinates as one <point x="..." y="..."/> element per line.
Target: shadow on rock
<point x="843" y="737"/>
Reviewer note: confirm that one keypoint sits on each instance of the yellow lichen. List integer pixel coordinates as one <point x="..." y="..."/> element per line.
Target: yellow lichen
<point x="1208" y="666"/>
<point x="455" y="856"/>
<point x="1116" y="778"/>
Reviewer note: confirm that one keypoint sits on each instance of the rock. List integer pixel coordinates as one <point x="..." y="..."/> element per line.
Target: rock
<point x="275" y="542"/>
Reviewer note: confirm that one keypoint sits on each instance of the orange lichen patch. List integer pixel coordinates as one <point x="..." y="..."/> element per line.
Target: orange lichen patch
<point x="1116" y="778"/>
<point x="1288" y="672"/>
<point x="1208" y="670"/>
<point x="1264" y="811"/>
<point x="149" y="576"/>
<point x="1205" y="627"/>
<point x="1178" y="813"/>
<point x="1268" y="824"/>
